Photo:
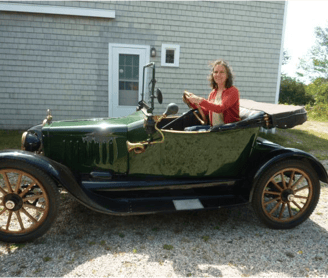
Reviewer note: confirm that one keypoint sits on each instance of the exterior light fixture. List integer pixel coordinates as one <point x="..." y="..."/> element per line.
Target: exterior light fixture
<point x="153" y="52"/>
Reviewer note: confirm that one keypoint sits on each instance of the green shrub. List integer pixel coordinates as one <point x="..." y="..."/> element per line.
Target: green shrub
<point x="318" y="89"/>
<point x="293" y="92"/>
<point x="318" y="112"/>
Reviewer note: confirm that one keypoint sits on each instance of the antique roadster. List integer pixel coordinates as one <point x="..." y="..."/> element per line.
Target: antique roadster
<point x="144" y="163"/>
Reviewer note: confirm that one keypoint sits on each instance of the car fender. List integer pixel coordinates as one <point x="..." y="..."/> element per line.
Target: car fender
<point x="288" y="153"/>
<point x="63" y="176"/>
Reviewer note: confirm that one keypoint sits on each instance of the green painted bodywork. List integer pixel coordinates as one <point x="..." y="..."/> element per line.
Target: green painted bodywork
<point x="100" y="145"/>
<point x="186" y="154"/>
<point x="90" y="145"/>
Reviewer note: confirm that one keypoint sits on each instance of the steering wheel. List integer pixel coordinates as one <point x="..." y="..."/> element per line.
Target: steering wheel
<point x="203" y="119"/>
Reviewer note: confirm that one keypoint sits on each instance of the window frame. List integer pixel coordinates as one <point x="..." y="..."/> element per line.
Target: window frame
<point x="176" y="49"/>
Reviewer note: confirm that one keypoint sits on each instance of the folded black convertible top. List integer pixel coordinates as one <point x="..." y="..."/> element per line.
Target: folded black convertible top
<point x="280" y="116"/>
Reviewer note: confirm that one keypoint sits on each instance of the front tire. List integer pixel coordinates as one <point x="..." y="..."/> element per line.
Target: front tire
<point x="286" y="194"/>
<point x="29" y="201"/>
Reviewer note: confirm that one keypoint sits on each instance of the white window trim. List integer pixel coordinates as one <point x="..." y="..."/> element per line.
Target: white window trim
<point x="176" y="49"/>
<point x="60" y="10"/>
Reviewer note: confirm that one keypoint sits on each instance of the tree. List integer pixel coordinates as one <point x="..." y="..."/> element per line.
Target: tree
<point x="285" y="60"/>
<point x="293" y="92"/>
<point x="286" y="57"/>
<point x="318" y="89"/>
<point x="315" y="64"/>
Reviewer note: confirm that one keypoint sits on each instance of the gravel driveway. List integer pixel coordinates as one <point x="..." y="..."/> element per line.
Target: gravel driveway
<point x="226" y="242"/>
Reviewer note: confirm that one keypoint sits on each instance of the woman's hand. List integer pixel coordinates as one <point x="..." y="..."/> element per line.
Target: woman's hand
<point x="186" y="96"/>
<point x="195" y="99"/>
<point x="191" y="98"/>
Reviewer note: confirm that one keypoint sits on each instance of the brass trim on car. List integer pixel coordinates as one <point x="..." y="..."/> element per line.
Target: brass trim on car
<point x="186" y="131"/>
<point x="267" y="120"/>
<point x="48" y="119"/>
<point x="23" y="140"/>
<point x="156" y="118"/>
<point x="140" y="147"/>
<point x="137" y="147"/>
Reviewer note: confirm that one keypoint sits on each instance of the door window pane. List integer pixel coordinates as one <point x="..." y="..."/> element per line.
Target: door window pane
<point x="128" y="79"/>
<point x="121" y="60"/>
<point x="128" y="59"/>
<point x="121" y="83"/>
<point x="128" y="72"/>
<point x="135" y="72"/>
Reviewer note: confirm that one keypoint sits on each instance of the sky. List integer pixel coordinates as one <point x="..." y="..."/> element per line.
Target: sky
<point x="302" y="18"/>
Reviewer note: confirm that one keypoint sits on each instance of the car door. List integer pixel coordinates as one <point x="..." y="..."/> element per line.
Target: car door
<point x="205" y="154"/>
<point x="196" y="154"/>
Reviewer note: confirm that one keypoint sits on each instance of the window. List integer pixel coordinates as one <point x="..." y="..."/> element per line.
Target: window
<point x="170" y="55"/>
<point x="128" y="79"/>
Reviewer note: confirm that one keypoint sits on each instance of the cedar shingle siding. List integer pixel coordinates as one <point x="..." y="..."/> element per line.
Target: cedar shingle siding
<point x="61" y="62"/>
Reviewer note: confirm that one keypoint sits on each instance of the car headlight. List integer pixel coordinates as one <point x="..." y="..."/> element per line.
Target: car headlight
<point x="30" y="142"/>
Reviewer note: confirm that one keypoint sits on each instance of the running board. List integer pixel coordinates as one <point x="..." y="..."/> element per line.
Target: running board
<point x="182" y="204"/>
<point x="128" y="185"/>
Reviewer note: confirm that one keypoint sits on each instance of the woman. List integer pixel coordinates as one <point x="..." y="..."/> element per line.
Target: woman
<point x="222" y="105"/>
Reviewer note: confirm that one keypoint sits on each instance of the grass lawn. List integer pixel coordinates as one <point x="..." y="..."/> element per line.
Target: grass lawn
<point x="10" y="139"/>
<point x="311" y="137"/>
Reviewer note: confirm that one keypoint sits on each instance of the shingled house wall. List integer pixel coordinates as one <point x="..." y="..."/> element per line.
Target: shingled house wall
<point x="61" y="61"/>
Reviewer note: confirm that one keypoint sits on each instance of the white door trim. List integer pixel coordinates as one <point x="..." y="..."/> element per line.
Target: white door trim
<point x="111" y="47"/>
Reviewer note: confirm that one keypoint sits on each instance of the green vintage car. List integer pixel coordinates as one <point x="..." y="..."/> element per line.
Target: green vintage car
<point x="145" y="163"/>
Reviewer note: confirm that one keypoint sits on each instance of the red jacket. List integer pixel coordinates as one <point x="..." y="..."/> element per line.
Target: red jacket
<point x="229" y="106"/>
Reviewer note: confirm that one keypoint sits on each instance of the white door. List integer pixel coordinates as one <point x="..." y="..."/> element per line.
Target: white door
<point x="125" y="77"/>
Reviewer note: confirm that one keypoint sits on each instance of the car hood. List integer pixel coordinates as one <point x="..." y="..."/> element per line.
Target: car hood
<point x="91" y="145"/>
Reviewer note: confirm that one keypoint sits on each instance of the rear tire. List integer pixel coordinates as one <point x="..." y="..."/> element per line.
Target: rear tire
<point x="286" y="194"/>
<point x="29" y="201"/>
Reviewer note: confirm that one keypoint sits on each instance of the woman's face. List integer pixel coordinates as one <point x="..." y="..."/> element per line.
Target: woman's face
<point x="220" y="75"/>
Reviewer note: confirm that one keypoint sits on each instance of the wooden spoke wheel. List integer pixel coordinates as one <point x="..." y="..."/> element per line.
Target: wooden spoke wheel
<point x="28" y="202"/>
<point x="286" y="194"/>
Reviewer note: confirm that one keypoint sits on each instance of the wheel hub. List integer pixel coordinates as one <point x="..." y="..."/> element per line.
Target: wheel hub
<point x="287" y="195"/>
<point x="9" y="204"/>
<point x="13" y="202"/>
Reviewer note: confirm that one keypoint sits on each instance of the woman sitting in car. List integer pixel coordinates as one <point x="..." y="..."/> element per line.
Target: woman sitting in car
<point x="222" y="105"/>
